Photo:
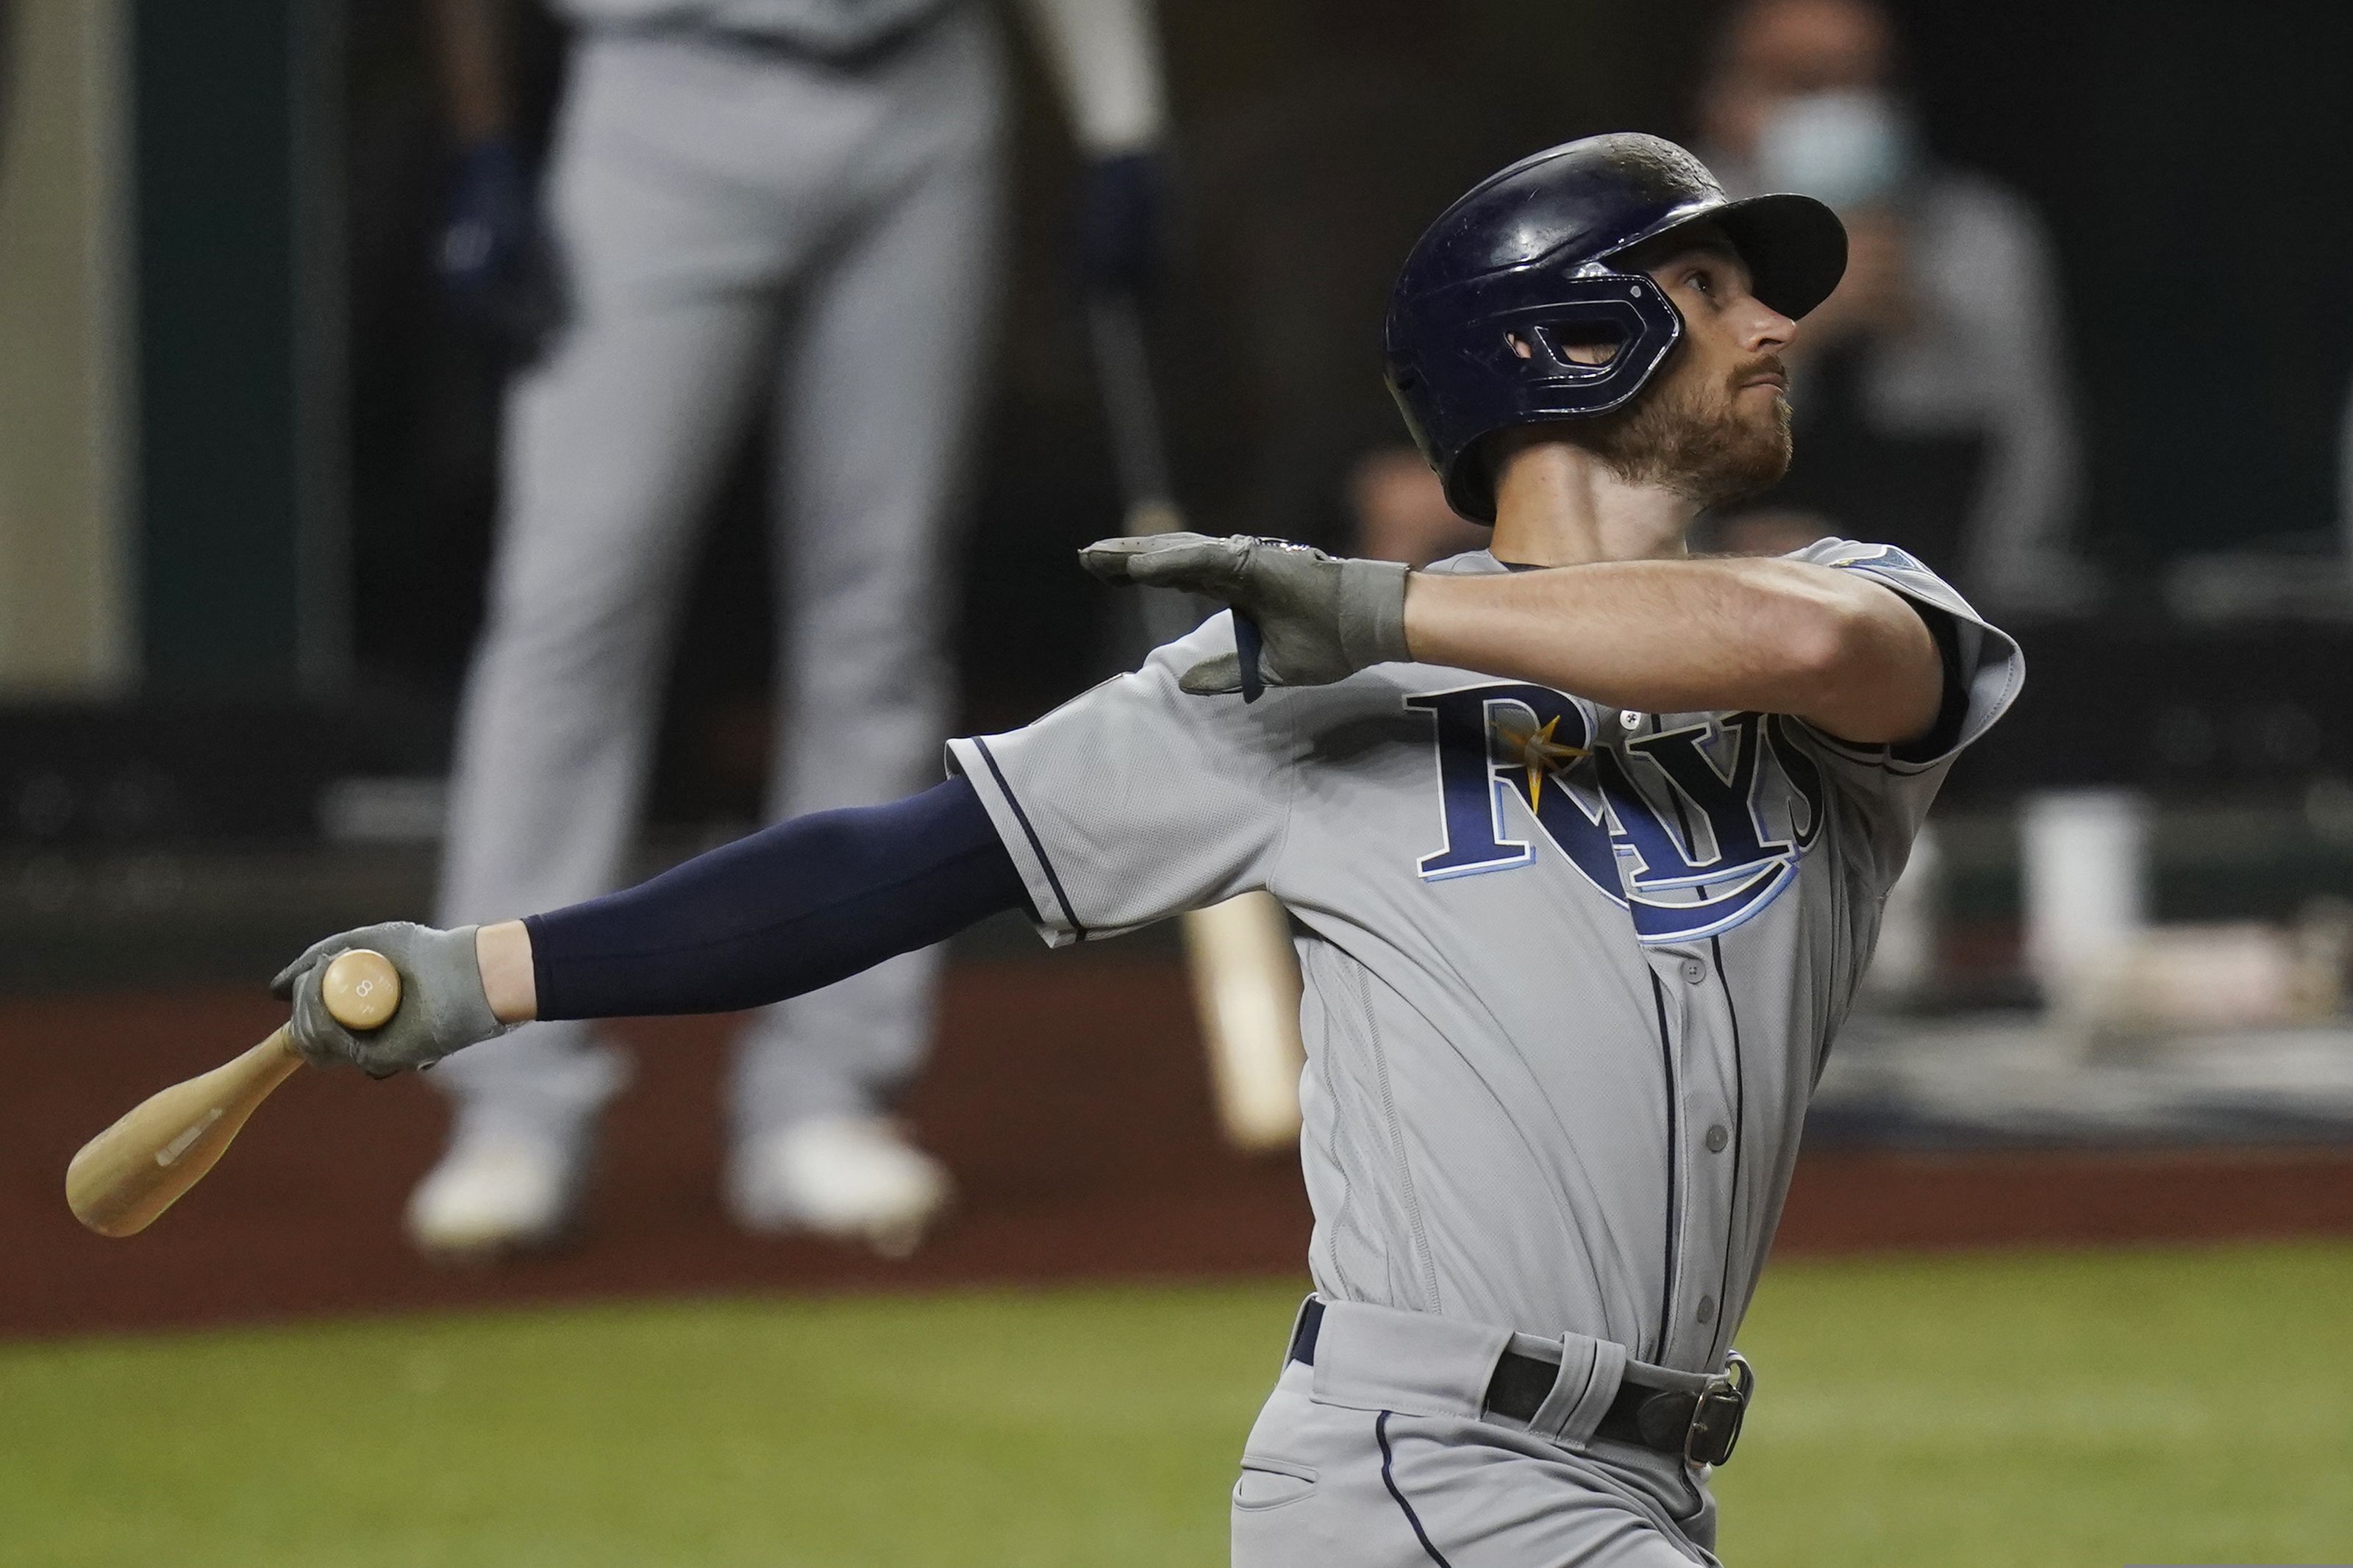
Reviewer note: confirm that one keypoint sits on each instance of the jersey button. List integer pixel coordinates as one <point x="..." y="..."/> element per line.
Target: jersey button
<point x="1693" y="971"/>
<point x="1717" y="1137"/>
<point x="1707" y="1310"/>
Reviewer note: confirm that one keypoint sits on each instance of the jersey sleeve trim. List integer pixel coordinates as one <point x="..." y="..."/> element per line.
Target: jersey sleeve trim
<point x="1020" y="840"/>
<point x="1886" y="758"/>
<point x="1985" y="658"/>
<point x="1953" y="706"/>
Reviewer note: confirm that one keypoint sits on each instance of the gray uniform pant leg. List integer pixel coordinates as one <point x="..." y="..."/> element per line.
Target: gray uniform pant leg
<point x="875" y="410"/>
<point x="706" y="200"/>
<point x="1327" y="1486"/>
<point x="614" y="445"/>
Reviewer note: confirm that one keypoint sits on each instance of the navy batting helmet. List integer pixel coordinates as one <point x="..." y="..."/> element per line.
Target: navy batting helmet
<point x="1526" y="257"/>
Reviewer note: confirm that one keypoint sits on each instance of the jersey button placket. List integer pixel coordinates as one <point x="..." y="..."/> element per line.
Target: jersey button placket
<point x="1704" y="1040"/>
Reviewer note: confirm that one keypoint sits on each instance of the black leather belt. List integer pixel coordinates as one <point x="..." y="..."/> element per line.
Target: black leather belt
<point x="1703" y="1425"/>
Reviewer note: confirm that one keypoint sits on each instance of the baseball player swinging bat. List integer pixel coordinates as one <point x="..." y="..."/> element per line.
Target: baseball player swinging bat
<point x="1587" y="858"/>
<point x="127" y="1176"/>
<point x="1245" y="977"/>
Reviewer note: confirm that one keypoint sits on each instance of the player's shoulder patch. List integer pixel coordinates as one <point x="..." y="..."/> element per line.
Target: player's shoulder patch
<point x="1853" y="553"/>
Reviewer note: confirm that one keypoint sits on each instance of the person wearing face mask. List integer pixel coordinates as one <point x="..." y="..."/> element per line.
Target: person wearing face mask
<point x="1932" y="391"/>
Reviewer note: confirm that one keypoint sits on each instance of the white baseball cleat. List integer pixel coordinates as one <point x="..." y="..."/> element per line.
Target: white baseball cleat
<point x="496" y="1194"/>
<point x="851" y="1177"/>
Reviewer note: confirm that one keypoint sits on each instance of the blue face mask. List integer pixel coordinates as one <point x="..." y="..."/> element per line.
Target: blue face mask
<point x="1851" y="148"/>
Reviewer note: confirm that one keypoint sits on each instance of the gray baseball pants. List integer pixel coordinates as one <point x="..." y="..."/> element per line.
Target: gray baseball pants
<point x="1379" y="1457"/>
<point x="732" y="221"/>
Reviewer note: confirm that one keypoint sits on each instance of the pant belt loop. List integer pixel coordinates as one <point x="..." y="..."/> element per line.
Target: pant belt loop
<point x="1303" y="1327"/>
<point x="1590" y="1371"/>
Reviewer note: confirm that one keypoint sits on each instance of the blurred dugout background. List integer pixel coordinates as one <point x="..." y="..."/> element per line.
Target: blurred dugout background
<point x="246" y="477"/>
<point x="247" y="463"/>
<point x="247" y="468"/>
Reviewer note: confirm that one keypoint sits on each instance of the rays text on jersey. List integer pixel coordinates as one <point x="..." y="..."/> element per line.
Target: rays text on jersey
<point x="1692" y="829"/>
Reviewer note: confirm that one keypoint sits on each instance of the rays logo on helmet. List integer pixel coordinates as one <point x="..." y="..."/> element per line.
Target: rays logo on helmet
<point x="1692" y="829"/>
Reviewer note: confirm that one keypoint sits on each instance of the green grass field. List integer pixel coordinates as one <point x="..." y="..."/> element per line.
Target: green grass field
<point x="2152" y="1407"/>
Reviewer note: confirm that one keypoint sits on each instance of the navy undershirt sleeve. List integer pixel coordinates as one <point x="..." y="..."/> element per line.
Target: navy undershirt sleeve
<point x="1953" y="708"/>
<point x="798" y="906"/>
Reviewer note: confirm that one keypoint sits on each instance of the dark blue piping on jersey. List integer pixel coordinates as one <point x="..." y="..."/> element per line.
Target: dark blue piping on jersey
<point x="1675" y="1171"/>
<point x="1674" y="1150"/>
<point x="1069" y="916"/>
<point x="1381" y="1432"/>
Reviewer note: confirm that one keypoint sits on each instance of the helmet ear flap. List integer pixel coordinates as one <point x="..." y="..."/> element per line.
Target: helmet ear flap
<point x="1564" y="349"/>
<point x="1580" y="347"/>
<point x="1571" y="345"/>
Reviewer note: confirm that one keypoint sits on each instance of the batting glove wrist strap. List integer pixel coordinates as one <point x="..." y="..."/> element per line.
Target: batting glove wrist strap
<point x="1372" y="613"/>
<point x="443" y="1007"/>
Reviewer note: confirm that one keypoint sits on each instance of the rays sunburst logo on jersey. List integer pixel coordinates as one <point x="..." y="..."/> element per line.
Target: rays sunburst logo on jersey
<point x="1692" y="828"/>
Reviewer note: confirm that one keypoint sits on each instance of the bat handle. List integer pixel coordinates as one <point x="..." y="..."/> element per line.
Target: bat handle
<point x="275" y="1058"/>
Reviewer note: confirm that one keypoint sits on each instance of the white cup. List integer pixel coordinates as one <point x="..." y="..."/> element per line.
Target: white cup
<point x="2085" y="855"/>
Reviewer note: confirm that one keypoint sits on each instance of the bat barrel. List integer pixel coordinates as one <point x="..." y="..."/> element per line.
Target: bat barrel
<point x="127" y="1176"/>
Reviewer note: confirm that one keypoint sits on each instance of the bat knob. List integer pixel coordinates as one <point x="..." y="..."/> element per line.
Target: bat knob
<point x="361" y="988"/>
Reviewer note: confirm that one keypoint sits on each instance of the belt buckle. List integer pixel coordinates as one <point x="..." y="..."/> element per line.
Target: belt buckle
<point x="1717" y="1413"/>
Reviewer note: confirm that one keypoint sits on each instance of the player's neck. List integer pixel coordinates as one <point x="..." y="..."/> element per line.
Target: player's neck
<point x="1559" y="505"/>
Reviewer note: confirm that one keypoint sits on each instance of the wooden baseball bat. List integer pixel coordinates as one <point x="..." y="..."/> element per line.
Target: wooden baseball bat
<point x="1139" y="457"/>
<point x="1246" y="995"/>
<point x="1245" y="975"/>
<point x="137" y="1168"/>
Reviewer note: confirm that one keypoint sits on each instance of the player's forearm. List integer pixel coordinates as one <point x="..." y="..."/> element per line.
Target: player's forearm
<point x="1667" y="637"/>
<point x="801" y="905"/>
<point x="1104" y="56"/>
<point x="503" y="950"/>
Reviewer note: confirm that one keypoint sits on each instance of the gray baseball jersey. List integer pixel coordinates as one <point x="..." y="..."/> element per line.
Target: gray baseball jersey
<point x="1571" y="972"/>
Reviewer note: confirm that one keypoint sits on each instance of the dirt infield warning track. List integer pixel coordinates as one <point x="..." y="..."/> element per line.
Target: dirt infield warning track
<point x="1067" y="1094"/>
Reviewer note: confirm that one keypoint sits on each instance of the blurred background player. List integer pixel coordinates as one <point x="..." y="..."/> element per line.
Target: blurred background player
<point x="748" y="203"/>
<point x="1932" y="391"/>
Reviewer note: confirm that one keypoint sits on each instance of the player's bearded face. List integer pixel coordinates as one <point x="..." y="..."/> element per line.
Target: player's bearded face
<point x="1701" y="430"/>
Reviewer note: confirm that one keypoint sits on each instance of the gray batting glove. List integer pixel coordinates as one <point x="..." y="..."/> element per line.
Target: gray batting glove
<point x="1301" y="618"/>
<point x="443" y="1007"/>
